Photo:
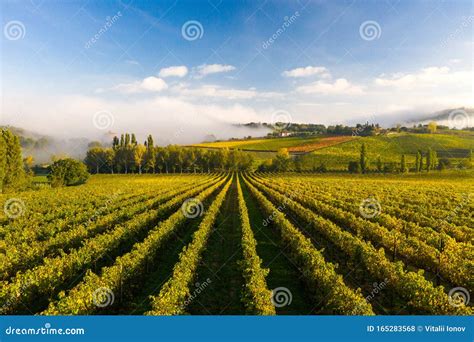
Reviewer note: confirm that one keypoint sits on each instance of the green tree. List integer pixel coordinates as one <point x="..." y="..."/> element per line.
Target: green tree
<point x="67" y="172"/>
<point x="150" y="155"/>
<point x="354" y="167"/>
<point x="95" y="159"/>
<point x="3" y="159"/>
<point x="363" y="159"/>
<point x="429" y="162"/>
<point x="443" y="164"/>
<point x="403" y="164"/>
<point x="14" y="176"/>
<point x="418" y="162"/>
<point x="432" y="127"/>
<point x="434" y="159"/>
<point x="28" y="162"/>
<point x="138" y="156"/>
<point x="379" y="164"/>
<point x="282" y="160"/>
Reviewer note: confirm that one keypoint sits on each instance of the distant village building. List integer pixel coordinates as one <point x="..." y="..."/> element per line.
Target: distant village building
<point x="284" y="134"/>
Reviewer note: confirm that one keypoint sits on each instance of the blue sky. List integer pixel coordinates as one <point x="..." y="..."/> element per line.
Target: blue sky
<point x="321" y="66"/>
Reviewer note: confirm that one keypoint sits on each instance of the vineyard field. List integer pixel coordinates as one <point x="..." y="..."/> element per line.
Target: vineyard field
<point x="240" y="244"/>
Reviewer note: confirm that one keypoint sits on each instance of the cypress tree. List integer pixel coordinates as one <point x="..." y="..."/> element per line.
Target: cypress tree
<point x="434" y="159"/>
<point x="3" y="159"/>
<point x="418" y="162"/>
<point x="379" y="164"/>
<point x="14" y="174"/>
<point x="363" y="159"/>
<point x="115" y="143"/>
<point x="429" y="162"/>
<point x="403" y="165"/>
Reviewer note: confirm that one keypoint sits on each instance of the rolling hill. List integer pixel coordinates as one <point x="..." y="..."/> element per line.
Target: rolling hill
<point x="337" y="151"/>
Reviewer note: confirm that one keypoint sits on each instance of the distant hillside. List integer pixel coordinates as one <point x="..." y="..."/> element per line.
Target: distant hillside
<point x="294" y="144"/>
<point x="459" y="118"/>
<point x="391" y="147"/>
<point x="43" y="147"/>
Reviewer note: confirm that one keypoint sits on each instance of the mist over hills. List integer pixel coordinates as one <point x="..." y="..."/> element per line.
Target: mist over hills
<point x="44" y="146"/>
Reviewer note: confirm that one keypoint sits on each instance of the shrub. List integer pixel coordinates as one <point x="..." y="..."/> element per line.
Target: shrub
<point x="443" y="164"/>
<point x="67" y="172"/>
<point x="354" y="167"/>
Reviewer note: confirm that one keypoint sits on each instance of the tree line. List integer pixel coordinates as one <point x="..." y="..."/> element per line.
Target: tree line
<point x="424" y="161"/>
<point x="127" y="155"/>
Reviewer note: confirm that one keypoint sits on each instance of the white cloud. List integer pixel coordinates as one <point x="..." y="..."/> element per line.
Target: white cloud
<point x="341" y="86"/>
<point x="174" y="71"/>
<point x="218" y="92"/>
<point x="149" y="84"/>
<point x="430" y="77"/>
<point x="207" y="69"/>
<point x="307" y="71"/>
